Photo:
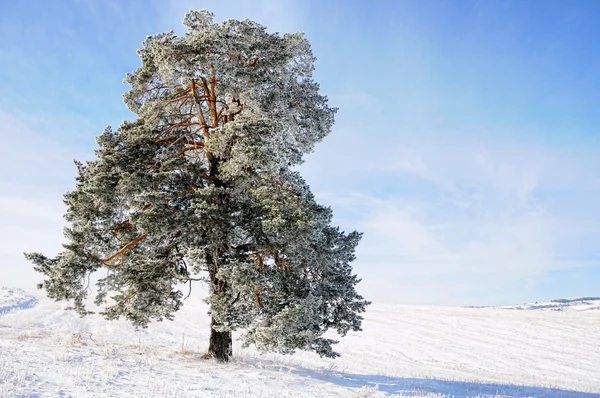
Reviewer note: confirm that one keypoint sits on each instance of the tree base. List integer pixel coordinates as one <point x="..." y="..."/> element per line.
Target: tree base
<point x="220" y="344"/>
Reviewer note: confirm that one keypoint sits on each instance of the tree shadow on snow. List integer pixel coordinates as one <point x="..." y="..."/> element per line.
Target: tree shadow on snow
<point x="418" y="386"/>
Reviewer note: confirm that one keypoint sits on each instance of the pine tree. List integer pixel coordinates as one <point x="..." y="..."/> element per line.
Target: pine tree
<point x="201" y="186"/>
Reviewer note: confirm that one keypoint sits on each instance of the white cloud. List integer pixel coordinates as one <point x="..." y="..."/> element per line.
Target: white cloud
<point x="29" y="224"/>
<point x="37" y="170"/>
<point x="33" y="154"/>
<point x="465" y="222"/>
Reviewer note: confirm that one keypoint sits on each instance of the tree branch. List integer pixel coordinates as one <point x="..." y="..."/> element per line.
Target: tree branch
<point x="124" y="248"/>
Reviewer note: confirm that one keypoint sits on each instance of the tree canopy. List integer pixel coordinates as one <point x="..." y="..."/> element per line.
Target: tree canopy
<point x="202" y="186"/>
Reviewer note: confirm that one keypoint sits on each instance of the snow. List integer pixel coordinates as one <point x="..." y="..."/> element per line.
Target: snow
<point x="14" y="299"/>
<point x="403" y="351"/>
<point x="584" y="304"/>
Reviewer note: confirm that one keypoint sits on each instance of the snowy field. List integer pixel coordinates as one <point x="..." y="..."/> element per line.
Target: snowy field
<point x="403" y="351"/>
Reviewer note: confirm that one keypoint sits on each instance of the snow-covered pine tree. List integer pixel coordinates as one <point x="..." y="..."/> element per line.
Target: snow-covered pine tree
<point x="201" y="187"/>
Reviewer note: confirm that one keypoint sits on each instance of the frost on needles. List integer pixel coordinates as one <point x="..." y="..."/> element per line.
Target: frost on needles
<point x="201" y="186"/>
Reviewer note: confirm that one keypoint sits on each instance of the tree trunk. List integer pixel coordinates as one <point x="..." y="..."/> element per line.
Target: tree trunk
<point x="220" y="344"/>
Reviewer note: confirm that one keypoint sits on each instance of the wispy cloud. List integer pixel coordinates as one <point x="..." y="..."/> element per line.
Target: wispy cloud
<point x="35" y="153"/>
<point x="37" y="171"/>
<point x="463" y="220"/>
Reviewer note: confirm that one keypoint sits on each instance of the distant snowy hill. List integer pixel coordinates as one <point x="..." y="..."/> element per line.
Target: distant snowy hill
<point x="580" y="304"/>
<point x="403" y="351"/>
<point x="15" y="299"/>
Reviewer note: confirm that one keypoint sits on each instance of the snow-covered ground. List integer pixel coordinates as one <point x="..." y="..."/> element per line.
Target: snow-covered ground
<point x="403" y="351"/>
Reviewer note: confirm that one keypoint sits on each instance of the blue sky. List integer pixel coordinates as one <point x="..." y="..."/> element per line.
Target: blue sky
<point x="466" y="146"/>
